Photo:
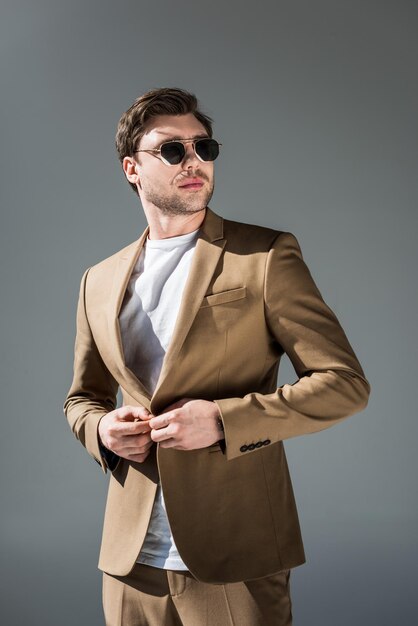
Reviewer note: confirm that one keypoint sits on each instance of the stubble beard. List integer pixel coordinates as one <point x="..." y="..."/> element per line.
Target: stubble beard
<point x="175" y="204"/>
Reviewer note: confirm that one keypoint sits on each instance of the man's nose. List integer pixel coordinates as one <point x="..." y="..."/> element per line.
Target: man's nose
<point x="190" y="157"/>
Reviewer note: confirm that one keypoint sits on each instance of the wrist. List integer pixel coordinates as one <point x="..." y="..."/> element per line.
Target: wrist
<point x="99" y="434"/>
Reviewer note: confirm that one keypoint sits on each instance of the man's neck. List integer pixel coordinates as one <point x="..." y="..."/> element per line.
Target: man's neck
<point x="164" y="226"/>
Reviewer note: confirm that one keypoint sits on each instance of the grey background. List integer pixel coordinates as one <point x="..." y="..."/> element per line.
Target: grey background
<point x="315" y="103"/>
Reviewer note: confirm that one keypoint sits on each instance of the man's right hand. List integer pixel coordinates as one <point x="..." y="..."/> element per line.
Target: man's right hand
<point x="126" y="432"/>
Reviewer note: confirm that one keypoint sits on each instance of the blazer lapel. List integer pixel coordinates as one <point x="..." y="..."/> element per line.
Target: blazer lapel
<point x="209" y="247"/>
<point x="124" y="267"/>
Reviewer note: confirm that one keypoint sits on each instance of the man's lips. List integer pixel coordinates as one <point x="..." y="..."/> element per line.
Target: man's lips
<point x="193" y="183"/>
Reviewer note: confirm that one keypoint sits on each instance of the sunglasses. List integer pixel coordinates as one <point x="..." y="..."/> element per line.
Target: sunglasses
<point x="173" y="152"/>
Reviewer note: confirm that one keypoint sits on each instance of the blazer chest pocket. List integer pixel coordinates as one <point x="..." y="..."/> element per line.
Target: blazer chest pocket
<point x="223" y="297"/>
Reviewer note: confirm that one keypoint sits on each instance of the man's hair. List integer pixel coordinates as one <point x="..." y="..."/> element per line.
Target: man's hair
<point x="165" y="101"/>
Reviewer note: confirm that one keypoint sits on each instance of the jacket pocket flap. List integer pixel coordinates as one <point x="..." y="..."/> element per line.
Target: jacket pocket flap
<point x="224" y="296"/>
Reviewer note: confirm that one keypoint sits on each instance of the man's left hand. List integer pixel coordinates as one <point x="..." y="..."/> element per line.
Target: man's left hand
<point x="187" y="424"/>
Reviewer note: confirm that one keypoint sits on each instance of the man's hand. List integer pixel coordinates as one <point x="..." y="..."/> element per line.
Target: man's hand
<point x="126" y="432"/>
<point x="187" y="425"/>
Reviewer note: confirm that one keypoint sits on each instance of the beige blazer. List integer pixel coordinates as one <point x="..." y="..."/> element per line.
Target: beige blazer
<point x="249" y="298"/>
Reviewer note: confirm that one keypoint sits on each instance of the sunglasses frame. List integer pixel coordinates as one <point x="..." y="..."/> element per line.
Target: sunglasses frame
<point x="182" y="141"/>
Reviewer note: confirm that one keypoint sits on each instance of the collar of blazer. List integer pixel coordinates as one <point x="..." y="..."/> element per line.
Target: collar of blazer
<point x="209" y="246"/>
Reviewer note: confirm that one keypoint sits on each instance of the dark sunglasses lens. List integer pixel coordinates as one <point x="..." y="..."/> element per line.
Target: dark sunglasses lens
<point x="207" y="149"/>
<point x="173" y="152"/>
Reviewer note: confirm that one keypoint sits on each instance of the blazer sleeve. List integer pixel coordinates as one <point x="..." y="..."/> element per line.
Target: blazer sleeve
<point x="93" y="390"/>
<point x="331" y="383"/>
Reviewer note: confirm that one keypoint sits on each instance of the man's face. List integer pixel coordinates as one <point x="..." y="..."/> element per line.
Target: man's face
<point x="165" y="186"/>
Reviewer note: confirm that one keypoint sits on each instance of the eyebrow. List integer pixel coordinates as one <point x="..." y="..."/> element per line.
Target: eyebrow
<point x="169" y="137"/>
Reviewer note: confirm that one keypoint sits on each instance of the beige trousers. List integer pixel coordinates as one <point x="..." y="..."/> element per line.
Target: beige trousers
<point x="150" y="596"/>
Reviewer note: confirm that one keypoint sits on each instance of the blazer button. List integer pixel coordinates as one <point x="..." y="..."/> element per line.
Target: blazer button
<point x="266" y="442"/>
<point x="244" y="448"/>
<point x="259" y="444"/>
<point x="251" y="446"/>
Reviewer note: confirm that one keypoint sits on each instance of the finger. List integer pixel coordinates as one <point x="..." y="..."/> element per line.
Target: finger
<point x="130" y="441"/>
<point x="130" y="428"/>
<point x="161" y="434"/>
<point x="169" y="443"/>
<point x="144" y="438"/>
<point x="129" y="451"/>
<point x="144" y="417"/>
<point x="161" y="421"/>
<point x="130" y="413"/>
<point x="139" y="440"/>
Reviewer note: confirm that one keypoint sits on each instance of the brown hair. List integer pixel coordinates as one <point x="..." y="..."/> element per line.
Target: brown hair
<point x="164" y="101"/>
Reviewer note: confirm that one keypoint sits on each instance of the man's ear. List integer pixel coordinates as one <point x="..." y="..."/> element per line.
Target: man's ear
<point x="131" y="169"/>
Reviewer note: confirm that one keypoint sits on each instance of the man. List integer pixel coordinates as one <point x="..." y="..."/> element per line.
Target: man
<point x="190" y="322"/>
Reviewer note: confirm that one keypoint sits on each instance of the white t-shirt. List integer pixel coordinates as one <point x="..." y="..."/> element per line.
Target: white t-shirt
<point x="147" y="320"/>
